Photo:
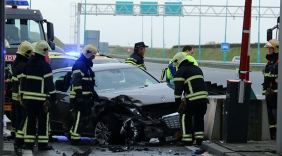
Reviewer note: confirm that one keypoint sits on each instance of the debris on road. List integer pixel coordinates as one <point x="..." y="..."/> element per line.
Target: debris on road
<point x="86" y="153"/>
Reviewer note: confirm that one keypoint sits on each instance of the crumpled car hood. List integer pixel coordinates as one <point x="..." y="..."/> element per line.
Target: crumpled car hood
<point x="148" y="95"/>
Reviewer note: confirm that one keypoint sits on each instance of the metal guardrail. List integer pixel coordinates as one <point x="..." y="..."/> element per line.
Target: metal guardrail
<point x="200" y="62"/>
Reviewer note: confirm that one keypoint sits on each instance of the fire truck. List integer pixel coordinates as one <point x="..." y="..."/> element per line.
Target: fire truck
<point x="23" y="24"/>
<point x="270" y="30"/>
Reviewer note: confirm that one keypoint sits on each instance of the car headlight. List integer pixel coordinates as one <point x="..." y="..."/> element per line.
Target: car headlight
<point x="135" y="111"/>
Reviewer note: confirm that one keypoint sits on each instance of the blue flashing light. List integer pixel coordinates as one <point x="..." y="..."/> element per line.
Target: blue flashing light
<point x="17" y="2"/>
<point x="76" y="54"/>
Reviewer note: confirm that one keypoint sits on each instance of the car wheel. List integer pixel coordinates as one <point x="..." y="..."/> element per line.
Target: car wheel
<point x="107" y="130"/>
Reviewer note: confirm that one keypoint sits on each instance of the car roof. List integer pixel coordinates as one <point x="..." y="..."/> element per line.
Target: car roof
<point x="98" y="67"/>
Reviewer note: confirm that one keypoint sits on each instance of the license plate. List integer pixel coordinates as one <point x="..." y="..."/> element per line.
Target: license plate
<point x="178" y="134"/>
<point x="7" y="108"/>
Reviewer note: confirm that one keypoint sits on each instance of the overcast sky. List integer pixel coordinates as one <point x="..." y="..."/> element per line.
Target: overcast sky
<point x="126" y="30"/>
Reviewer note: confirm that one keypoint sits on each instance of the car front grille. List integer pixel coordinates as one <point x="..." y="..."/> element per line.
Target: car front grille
<point x="172" y="121"/>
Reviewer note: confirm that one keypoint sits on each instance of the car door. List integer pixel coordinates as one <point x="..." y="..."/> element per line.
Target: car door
<point x="62" y="109"/>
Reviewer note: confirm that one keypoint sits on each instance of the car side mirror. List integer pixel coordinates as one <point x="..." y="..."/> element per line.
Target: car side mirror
<point x="269" y="34"/>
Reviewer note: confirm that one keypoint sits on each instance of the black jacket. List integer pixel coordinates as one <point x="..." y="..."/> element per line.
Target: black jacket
<point x="83" y="79"/>
<point x="37" y="81"/>
<point x="189" y="78"/>
<point x="270" y="72"/>
<point x="17" y="73"/>
<point x="137" y="60"/>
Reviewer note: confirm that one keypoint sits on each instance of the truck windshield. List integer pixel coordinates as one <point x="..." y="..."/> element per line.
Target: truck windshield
<point x="19" y="30"/>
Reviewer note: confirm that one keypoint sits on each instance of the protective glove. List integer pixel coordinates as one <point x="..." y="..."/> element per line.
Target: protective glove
<point x="46" y="106"/>
<point x="20" y="100"/>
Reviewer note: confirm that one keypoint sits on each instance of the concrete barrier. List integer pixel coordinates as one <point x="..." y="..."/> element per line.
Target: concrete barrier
<point x="258" y="66"/>
<point x="258" y="120"/>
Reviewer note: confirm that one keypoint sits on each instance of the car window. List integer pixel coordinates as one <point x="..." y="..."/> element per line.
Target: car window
<point x="57" y="63"/>
<point x="58" y="79"/>
<point x="116" y="79"/>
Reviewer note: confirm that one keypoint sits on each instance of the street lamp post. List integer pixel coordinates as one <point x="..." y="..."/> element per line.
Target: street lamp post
<point x="258" y="54"/>
<point x="151" y="49"/>
<point x="199" y="52"/>
<point x="178" y="49"/>
<point x="224" y="53"/>
<point x="142" y="28"/>
<point x="163" y="52"/>
<point x="85" y="23"/>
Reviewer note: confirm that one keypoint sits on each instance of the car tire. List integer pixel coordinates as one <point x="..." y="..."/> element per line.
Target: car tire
<point x="108" y="129"/>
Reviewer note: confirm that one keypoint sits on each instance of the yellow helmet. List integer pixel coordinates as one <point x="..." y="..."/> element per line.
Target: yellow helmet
<point x="41" y="47"/>
<point x="7" y="45"/>
<point x="273" y="43"/>
<point x="25" y="49"/>
<point x="178" y="59"/>
<point x="89" y="50"/>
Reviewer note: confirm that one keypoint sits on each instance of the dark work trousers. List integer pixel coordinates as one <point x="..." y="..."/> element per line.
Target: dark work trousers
<point x="13" y="116"/>
<point x="271" y="108"/>
<point x="20" y="124"/>
<point x="35" y="111"/>
<point x="81" y="113"/>
<point x="192" y="122"/>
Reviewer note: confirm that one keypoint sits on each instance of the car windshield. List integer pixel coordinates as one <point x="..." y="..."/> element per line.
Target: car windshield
<point x="105" y="61"/>
<point x="19" y="30"/>
<point x="116" y="79"/>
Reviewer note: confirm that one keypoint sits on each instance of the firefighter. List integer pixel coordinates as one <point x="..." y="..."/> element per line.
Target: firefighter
<point x="170" y="71"/>
<point x="189" y="80"/>
<point x="25" y="50"/>
<point x="270" y="73"/>
<point x="37" y="88"/>
<point x="137" y="58"/>
<point x="82" y="93"/>
<point x="8" y="88"/>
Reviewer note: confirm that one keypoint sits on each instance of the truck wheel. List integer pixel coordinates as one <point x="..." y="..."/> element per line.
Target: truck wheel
<point x="108" y="129"/>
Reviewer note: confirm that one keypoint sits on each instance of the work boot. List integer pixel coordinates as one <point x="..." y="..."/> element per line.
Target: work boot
<point x="51" y="139"/>
<point x="18" y="150"/>
<point x="184" y="143"/>
<point x="199" y="142"/>
<point x="45" y="148"/>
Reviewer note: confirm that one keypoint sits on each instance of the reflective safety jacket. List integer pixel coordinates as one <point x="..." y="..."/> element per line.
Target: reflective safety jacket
<point x="17" y="74"/>
<point x="189" y="78"/>
<point x="270" y="73"/>
<point x="83" y="79"/>
<point x="137" y="60"/>
<point x="168" y="71"/>
<point x="37" y="80"/>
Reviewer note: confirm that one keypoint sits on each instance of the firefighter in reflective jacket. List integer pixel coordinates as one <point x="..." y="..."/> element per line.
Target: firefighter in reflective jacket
<point x="189" y="80"/>
<point x="137" y="58"/>
<point x="24" y="53"/>
<point x="82" y="93"/>
<point x="270" y="73"/>
<point x="37" y="88"/>
<point x="170" y="71"/>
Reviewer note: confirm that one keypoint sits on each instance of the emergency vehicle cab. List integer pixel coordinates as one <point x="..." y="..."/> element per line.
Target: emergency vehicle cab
<point x="23" y="24"/>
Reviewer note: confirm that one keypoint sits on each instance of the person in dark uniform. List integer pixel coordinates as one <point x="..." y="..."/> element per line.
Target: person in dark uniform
<point x="82" y="95"/>
<point x="189" y="80"/>
<point x="270" y="83"/>
<point x="37" y="92"/>
<point x="24" y="53"/>
<point x="137" y="58"/>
